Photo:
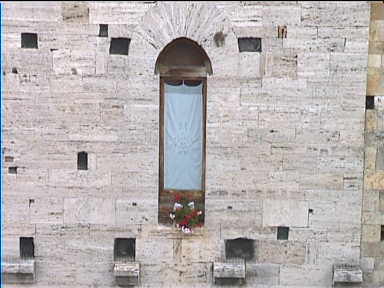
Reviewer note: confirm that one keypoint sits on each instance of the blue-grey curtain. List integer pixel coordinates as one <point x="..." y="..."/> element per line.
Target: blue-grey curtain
<point x="183" y="137"/>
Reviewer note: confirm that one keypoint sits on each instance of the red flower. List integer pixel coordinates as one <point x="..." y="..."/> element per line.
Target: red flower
<point x="184" y="223"/>
<point x="194" y="213"/>
<point x="177" y="197"/>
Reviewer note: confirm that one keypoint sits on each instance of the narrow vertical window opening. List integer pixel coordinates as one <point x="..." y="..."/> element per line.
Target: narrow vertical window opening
<point x="382" y="233"/>
<point x="370" y="102"/>
<point x="82" y="161"/>
<point x="27" y="247"/>
<point x="183" y="66"/>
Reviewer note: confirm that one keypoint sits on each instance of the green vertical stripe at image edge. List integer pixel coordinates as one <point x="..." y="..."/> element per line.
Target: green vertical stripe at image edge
<point x="1" y="133"/>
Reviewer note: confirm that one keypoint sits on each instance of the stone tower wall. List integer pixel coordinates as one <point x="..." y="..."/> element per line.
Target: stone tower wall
<point x="285" y="139"/>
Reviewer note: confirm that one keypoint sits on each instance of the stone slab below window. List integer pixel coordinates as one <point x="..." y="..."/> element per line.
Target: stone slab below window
<point x="345" y="274"/>
<point x="127" y="274"/>
<point x="231" y="272"/>
<point x="19" y="271"/>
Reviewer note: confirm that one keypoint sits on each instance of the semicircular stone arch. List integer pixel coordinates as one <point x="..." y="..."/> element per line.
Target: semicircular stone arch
<point x="200" y="22"/>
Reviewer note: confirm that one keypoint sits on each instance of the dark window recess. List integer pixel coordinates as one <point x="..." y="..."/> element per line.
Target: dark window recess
<point x="119" y="46"/>
<point x="282" y="233"/>
<point x="27" y="248"/>
<point x="282" y="32"/>
<point x="82" y="161"/>
<point x="124" y="249"/>
<point x="8" y="158"/>
<point x="249" y="44"/>
<point x="29" y="40"/>
<point x="103" y="30"/>
<point x="219" y="39"/>
<point x="14" y="70"/>
<point x="240" y="248"/>
<point x="229" y="281"/>
<point x="382" y="233"/>
<point x="370" y="102"/>
<point x="12" y="170"/>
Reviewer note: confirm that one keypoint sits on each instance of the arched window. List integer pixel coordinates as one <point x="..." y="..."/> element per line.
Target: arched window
<point x="183" y="66"/>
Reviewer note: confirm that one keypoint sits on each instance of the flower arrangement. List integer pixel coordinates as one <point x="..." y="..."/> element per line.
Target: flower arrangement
<point x="184" y="214"/>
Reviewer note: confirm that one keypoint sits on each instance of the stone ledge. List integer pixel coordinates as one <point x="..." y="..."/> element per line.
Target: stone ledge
<point x="19" y="271"/>
<point x="127" y="274"/>
<point x="230" y="272"/>
<point x="345" y="274"/>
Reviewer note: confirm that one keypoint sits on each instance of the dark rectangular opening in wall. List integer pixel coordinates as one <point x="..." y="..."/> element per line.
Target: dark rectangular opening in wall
<point x="124" y="249"/>
<point x="370" y="102"/>
<point x="82" y="161"/>
<point x="240" y="248"/>
<point x="29" y="40"/>
<point x="282" y="233"/>
<point x="8" y="158"/>
<point x="229" y="281"/>
<point x="382" y="233"/>
<point x="27" y="248"/>
<point x="119" y="46"/>
<point x="103" y="30"/>
<point x="249" y="44"/>
<point x="282" y="32"/>
<point x="12" y="170"/>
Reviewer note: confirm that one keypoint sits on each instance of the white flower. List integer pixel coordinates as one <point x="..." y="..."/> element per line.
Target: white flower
<point x="177" y="206"/>
<point x="199" y="212"/>
<point x="186" y="230"/>
<point x="191" y="205"/>
<point x="172" y="215"/>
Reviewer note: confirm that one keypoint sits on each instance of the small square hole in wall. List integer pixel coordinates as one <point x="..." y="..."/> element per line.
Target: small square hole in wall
<point x="249" y="44"/>
<point x="27" y="248"/>
<point x="82" y="161"/>
<point x="119" y="46"/>
<point x="29" y="40"/>
<point x="370" y="102"/>
<point x="282" y="233"/>
<point x="124" y="249"/>
<point x="103" y="30"/>
<point x="240" y="248"/>
<point x="12" y="170"/>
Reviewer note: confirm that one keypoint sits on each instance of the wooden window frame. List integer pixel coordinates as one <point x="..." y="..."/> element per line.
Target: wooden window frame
<point x="166" y="196"/>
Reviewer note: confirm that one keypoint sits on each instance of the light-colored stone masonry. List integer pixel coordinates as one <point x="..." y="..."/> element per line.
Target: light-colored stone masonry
<point x="372" y="248"/>
<point x="285" y="140"/>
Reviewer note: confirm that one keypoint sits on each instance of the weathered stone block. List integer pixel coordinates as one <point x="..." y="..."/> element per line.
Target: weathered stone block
<point x="311" y="275"/>
<point x="288" y="213"/>
<point x="344" y="273"/>
<point x="370" y="233"/>
<point x="126" y="274"/>
<point x="280" y="252"/>
<point x="75" y="12"/>
<point x="18" y="271"/>
<point x="232" y="271"/>
<point x="89" y="210"/>
<point x="367" y="264"/>
<point x="250" y="71"/>
<point x="281" y="65"/>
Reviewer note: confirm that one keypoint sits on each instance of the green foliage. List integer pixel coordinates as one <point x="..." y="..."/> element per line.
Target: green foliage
<point x="185" y="214"/>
